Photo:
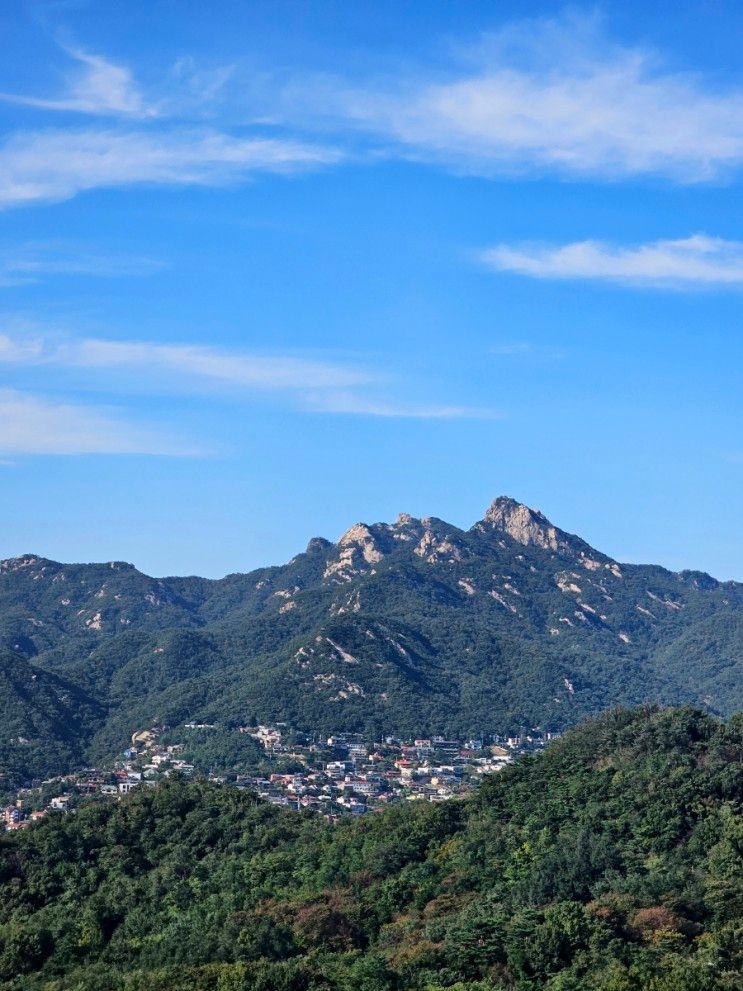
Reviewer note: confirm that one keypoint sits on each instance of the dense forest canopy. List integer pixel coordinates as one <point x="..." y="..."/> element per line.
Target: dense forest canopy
<point x="612" y="862"/>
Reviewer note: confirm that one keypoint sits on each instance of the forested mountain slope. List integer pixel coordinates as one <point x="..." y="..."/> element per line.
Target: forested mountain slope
<point x="612" y="862"/>
<point x="45" y="721"/>
<point x="411" y="627"/>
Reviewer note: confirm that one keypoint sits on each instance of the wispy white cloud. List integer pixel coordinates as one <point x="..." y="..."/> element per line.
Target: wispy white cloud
<point x="198" y="85"/>
<point x="357" y="405"/>
<point x="99" y="86"/>
<point x="29" y="263"/>
<point x="56" y="165"/>
<point x="30" y="424"/>
<point x="222" y="367"/>
<point x="692" y="262"/>
<point x="96" y="86"/>
<point x="304" y="383"/>
<point x="541" y="96"/>
<point x="20" y="349"/>
<point x="545" y="96"/>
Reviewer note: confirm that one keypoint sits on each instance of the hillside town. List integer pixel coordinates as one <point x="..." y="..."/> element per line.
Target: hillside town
<point x="340" y="774"/>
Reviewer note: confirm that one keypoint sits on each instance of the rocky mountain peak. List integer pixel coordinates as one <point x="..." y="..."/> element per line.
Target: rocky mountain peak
<point x="528" y="526"/>
<point x="404" y="519"/>
<point x="359" y="548"/>
<point x="318" y="545"/>
<point x="359" y="534"/>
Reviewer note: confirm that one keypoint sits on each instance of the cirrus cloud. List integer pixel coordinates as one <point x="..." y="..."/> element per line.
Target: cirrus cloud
<point x="29" y="263"/>
<point x="32" y="424"/>
<point x="698" y="261"/>
<point x="188" y="363"/>
<point x="40" y="166"/>
<point x="542" y="97"/>
<point x="305" y="384"/>
<point x="98" y="86"/>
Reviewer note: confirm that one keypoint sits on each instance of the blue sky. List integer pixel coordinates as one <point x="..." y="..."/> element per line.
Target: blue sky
<point x="267" y="273"/>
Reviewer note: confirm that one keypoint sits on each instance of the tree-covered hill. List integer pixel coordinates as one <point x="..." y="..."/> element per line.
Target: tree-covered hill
<point x="407" y="628"/>
<point x="612" y="862"/>
<point x="45" y="721"/>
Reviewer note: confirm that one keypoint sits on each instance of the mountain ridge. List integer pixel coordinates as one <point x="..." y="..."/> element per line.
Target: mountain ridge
<point x="410" y="627"/>
<point x="524" y="524"/>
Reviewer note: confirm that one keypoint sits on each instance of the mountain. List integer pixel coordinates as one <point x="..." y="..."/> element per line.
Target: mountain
<point x="409" y="627"/>
<point x="609" y="863"/>
<point x="46" y="721"/>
